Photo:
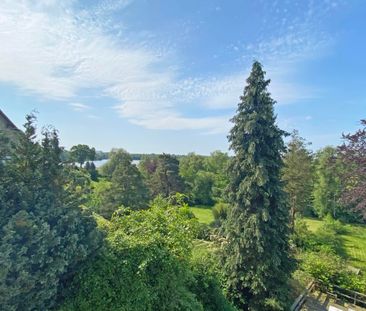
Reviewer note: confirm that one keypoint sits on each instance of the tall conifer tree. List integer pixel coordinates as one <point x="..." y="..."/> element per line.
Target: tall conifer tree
<point x="257" y="258"/>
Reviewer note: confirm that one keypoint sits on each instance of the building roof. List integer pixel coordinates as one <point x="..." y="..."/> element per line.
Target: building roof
<point x="7" y="121"/>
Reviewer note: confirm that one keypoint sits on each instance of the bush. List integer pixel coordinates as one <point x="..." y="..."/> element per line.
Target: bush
<point x="144" y="265"/>
<point x="334" y="225"/>
<point x="208" y="280"/>
<point x="301" y="236"/>
<point x="331" y="270"/>
<point x="324" y="239"/>
<point x="220" y="212"/>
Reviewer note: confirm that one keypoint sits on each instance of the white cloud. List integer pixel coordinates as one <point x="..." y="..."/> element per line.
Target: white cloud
<point x="51" y="49"/>
<point x="79" y="106"/>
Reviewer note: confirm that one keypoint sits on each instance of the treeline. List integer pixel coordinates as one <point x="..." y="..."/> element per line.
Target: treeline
<point x="120" y="183"/>
<point x="330" y="181"/>
<point x="85" y="153"/>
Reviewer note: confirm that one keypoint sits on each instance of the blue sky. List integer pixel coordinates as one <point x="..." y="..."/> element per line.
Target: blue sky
<point x="166" y="76"/>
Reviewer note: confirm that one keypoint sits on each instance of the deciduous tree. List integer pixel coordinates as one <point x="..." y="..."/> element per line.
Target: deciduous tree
<point x="353" y="155"/>
<point x="298" y="176"/>
<point x="327" y="183"/>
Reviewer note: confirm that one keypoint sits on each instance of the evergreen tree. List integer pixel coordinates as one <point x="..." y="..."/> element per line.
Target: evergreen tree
<point x="298" y="176"/>
<point x="257" y="259"/>
<point x="166" y="179"/>
<point x="92" y="170"/>
<point x="127" y="186"/>
<point x="44" y="235"/>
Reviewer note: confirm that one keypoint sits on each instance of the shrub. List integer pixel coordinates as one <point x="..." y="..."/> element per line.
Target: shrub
<point x="220" y="212"/>
<point x="208" y="280"/>
<point x="144" y="265"/>
<point x="324" y="239"/>
<point x="334" y="225"/>
<point x="331" y="270"/>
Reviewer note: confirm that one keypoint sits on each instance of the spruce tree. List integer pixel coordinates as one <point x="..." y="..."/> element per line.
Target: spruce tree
<point x="257" y="260"/>
<point x="166" y="180"/>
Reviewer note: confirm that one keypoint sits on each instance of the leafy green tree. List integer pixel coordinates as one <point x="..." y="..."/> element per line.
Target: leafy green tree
<point x="163" y="176"/>
<point x="82" y="153"/>
<point x="199" y="182"/>
<point x="327" y="186"/>
<point x="116" y="157"/>
<point x="127" y="188"/>
<point x="217" y="164"/>
<point x="202" y="188"/>
<point x="44" y="234"/>
<point x="189" y="165"/>
<point x="298" y="176"/>
<point x="257" y="258"/>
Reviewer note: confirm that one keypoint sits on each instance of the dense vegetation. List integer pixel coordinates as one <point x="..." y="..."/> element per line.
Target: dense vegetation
<point x="126" y="236"/>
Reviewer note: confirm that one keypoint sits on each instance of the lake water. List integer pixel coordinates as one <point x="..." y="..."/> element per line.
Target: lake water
<point x="99" y="163"/>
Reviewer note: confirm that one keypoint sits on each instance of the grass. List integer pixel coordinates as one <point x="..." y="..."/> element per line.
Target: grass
<point x="354" y="242"/>
<point x="203" y="213"/>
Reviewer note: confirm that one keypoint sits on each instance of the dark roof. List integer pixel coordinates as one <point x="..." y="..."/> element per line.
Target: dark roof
<point x="8" y="122"/>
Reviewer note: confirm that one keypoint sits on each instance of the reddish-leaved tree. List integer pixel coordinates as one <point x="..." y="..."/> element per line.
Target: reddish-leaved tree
<point x="353" y="153"/>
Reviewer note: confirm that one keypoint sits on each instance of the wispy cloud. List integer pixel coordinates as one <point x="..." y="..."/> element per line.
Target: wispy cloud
<point x="52" y="49"/>
<point x="79" y="106"/>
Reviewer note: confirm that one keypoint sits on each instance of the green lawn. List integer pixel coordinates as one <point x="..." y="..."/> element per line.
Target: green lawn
<point x="203" y="213"/>
<point x="354" y="241"/>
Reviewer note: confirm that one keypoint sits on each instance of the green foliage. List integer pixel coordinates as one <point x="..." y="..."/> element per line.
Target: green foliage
<point x="297" y="174"/>
<point x="162" y="175"/>
<point x="145" y="265"/>
<point x="82" y="153"/>
<point x="331" y="269"/>
<point x="208" y="281"/>
<point x="325" y="238"/>
<point x="127" y="188"/>
<point x="257" y="258"/>
<point x="220" y="212"/>
<point x="327" y="188"/>
<point x="44" y="235"/>
<point x="217" y="164"/>
<point x="334" y="225"/>
<point x="92" y="170"/>
<point x="78" y="184"/>
<point x="205" y="177"/>
<point x="199" y="182"/>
